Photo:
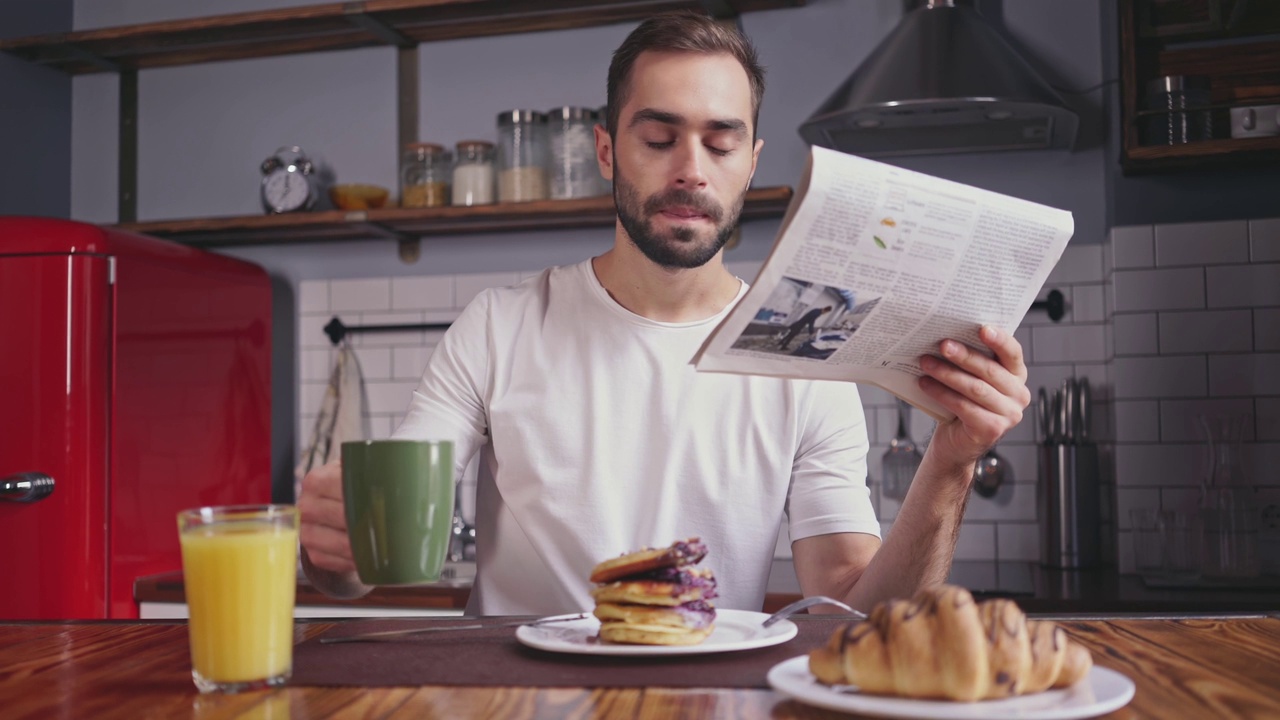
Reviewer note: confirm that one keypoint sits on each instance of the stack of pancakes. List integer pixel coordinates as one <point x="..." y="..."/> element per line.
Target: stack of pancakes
<point x="655" y="596"/>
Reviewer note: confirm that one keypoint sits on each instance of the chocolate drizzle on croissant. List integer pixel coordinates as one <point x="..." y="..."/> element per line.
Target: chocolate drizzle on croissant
<point x="941" y="644"/>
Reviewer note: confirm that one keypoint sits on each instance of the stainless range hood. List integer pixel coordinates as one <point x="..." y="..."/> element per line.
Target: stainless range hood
<point x="944" y="81"/>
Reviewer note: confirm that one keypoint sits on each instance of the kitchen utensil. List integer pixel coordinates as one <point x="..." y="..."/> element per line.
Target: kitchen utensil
<point x="1084" y="411"/>
<point x="1068" y="411"/>
<point x="989" y="474"/>
<point x="390" y="635"/>
<point x="902" y="459"/>
<point x="1043" y="415"/>
<point x="809" y="602"/>
<point x="1056" y="417"/>
<point x="462" y="535"/>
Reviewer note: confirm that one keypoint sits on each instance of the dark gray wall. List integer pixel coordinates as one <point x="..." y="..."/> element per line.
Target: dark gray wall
<point x="35" y="117"/>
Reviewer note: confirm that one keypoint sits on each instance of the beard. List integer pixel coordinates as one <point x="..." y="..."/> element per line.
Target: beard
<point x="682" y="247"/>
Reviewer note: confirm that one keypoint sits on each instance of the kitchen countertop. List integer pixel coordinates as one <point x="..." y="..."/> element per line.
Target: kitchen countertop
<point x="1190" y="668"/>
<point x="1034" y="588"/>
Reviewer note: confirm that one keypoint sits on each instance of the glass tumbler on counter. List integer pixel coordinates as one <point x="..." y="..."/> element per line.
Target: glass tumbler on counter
<point x="571" y="165"/>
<point x="1228" y="508"/>
<point x="1148" y="555"/>
<point x="473" y="173"/>
<point x="239" y="567"/>
<point x="522" y="156"/>
<point x="424" y="180"/>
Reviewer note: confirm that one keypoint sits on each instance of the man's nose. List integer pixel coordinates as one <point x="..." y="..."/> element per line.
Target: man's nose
<point x="689" y="169"/>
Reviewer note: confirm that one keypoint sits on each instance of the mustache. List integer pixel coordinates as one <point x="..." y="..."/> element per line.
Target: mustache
<point x="679" y="197"/>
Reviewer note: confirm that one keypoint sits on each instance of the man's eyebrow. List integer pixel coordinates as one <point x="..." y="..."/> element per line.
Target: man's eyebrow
<point x="669" y="118"/>
<point x="734" y="125"/>
<point x="645" y="115"/>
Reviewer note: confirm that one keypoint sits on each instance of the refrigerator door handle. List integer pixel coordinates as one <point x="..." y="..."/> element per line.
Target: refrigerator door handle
<point x="25" y="487"/>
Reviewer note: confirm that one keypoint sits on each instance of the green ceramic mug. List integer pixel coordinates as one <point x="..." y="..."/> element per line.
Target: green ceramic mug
<point x="399" y="503"/>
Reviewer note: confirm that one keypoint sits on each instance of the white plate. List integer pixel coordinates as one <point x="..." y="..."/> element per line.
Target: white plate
<point x="735" y="630"/>
<point x="1101" y="692"/>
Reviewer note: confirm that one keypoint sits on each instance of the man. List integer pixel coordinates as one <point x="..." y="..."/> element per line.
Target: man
<point x="806" y="320"/>
<point x="598" y="437"/>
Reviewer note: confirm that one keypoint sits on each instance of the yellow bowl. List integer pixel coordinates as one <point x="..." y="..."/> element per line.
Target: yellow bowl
<point x="358" y="197"/>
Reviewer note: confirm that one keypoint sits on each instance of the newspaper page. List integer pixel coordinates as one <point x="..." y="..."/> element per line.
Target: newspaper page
<point x="874" y="266"/>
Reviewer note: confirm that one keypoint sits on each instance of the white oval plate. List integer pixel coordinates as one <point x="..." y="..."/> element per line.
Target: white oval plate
<point x="735" y="630"/>
<point x="1100" y="692"/>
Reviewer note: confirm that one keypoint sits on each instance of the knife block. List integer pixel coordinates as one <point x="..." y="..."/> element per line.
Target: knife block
<point x="1070" y="506"/>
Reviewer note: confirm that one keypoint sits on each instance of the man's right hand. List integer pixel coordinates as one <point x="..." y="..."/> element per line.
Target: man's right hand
<point x="323" y="532"/>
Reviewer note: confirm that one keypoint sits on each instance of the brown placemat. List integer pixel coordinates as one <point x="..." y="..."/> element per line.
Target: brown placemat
<point x="493" y="656"/>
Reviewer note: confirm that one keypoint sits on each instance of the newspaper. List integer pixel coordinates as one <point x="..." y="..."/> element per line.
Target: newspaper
<point x="874" y="266"/>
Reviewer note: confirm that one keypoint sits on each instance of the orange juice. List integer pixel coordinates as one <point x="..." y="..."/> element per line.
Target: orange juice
<point x="240" y="578"/>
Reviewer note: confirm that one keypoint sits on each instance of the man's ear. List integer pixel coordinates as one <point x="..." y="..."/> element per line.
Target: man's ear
<point x="604" y="152"/>
<point x="755" y="157"/>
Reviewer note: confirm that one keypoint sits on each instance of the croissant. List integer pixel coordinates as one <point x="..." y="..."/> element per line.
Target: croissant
<point x="941" y="644"/>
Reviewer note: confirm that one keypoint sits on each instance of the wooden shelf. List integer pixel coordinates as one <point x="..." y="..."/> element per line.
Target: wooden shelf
<point x="1242" y="64"/>
<point x="336" y="26"/>
<point x="410" y="223"/>
<point x="1237" y="151"/>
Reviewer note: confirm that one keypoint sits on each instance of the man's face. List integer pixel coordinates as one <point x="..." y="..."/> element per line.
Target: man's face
<point x="683" y="156"/>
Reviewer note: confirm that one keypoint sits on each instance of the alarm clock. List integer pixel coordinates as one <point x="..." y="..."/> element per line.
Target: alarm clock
<point x="290" y="181"/>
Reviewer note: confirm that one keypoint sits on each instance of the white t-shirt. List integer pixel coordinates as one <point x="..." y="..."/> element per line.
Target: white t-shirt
<point x="598" y="438"/>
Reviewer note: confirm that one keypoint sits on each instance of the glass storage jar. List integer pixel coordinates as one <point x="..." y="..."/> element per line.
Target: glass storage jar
<point x="1180" y="114"/>
<point x="473" y="173"/>
<point x="571" y="164"/>
<point x="522" y="156"/>
<point x="424" y="179"/>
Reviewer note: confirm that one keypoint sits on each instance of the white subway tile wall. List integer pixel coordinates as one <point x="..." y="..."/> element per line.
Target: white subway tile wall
<point x="1202" y="243"/>
<point x="1166" y="322"/>
<point x="1266" y="328"/>
<point x="1196" y="337"/>
<point x="1133" y="247"/>
<point x="1264" y="240"/>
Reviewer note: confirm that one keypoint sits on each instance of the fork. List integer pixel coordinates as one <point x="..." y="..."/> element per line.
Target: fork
<point x="809" y="602"/>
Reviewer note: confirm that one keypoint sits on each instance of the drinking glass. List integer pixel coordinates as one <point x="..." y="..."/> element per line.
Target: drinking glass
<point x="1148" y="555"/>
<point x="238" y="565"/>
<point x="1181" y="535"/>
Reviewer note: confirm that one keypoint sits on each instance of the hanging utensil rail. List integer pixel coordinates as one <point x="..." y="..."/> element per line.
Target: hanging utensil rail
<point x="337" y="330"/>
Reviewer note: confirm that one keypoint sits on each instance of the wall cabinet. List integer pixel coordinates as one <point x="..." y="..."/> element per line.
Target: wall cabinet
<point x="1229" y="46"/>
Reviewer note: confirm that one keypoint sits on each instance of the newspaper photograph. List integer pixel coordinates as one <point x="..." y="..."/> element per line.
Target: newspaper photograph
<point x="874" y="266"/>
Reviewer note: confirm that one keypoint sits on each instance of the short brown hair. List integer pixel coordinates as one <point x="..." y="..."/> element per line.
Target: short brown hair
<point x="683" y="31"/>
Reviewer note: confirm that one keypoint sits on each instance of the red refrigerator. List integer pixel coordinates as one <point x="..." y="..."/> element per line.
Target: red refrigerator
<point x="134" y="382"/>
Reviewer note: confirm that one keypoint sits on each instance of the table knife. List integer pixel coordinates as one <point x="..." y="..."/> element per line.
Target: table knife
<point x="386" y="635"/>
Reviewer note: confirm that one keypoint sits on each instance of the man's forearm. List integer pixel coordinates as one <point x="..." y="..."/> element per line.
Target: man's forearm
<point x="340" y="586"/>
<point x="919" y="549"/>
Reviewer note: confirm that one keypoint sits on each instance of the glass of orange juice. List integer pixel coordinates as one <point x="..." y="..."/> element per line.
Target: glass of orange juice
<point x="239" y="569"/>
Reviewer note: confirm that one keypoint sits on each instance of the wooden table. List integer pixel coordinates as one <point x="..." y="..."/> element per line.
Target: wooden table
<point x="1196" y="667"/>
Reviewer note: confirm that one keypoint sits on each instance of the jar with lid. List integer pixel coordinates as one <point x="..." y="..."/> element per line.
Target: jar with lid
<point x="424" y="179"/>
<point x="473" y="173"/>
<point x="522" y="156"/>
<point x="571" y="167"/>
<point x="1179" y="110"/>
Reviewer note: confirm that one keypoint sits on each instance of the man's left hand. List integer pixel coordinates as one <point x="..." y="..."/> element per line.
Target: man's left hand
<point x="987" y="395"/>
